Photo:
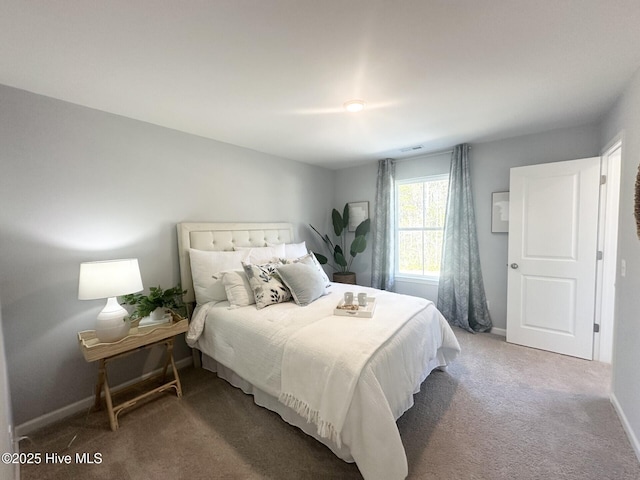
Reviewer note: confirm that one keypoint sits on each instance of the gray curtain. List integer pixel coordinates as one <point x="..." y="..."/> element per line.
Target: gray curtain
<point x="461" y="297"/>
<point x="383" y="257"/>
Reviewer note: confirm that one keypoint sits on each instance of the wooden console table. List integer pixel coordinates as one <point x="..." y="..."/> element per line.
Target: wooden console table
<point x="145" y="337"/>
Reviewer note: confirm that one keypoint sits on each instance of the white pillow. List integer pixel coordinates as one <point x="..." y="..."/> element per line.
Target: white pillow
<point x="292" y="250"/>
<point x="304" y="281"/>
<point x="206" y="269"/>
<point x="238" y="289"/>
<point x="260" y="255"/>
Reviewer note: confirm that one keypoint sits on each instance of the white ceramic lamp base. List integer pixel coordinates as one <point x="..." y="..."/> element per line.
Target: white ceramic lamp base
<point x="110" y="325"/>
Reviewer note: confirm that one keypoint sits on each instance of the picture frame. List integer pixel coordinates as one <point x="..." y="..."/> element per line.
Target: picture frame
<point x="358" y="213"/>
<point x="500" y="212"/>
<point x="636" y="206"/>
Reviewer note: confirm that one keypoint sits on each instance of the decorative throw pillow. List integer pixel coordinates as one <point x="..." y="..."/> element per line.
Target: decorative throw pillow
<point x="292" y="250"/>
<point x="267" y="287"/>
<point x="206" y="268"/>
<point x="311" y="260"/>
<point x="260" y="255"/>
<point x="304" y="281"/>
<point x="238" y="288"/>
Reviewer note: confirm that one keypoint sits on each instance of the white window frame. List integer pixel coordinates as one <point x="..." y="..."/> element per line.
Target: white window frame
<point x="427" y="279"/>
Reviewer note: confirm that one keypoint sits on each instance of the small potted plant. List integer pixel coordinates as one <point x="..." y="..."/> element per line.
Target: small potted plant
<point x="342" y="263"/>
<point x="157" y="304"/>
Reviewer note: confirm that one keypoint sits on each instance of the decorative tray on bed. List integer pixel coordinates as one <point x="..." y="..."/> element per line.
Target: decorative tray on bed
<point x="355" y="310"/>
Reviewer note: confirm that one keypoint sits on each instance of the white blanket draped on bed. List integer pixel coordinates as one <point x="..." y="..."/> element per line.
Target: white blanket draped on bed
<point x="364" y="389"/>
<point x="322" y="362"/>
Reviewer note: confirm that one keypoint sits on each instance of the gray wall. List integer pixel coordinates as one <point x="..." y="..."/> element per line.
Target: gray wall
<point x="490" y="164"/>
<point x="625" y="117"/>
<point x="6" y="418"/>
<point x="78" y="184"/>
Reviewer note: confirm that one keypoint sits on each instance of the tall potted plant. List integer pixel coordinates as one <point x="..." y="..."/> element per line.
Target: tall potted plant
<point x="341" y="262"/>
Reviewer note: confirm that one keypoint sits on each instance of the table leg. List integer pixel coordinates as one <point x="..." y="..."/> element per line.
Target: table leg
<point x="175" y="373"/>
<point x="169" y="353"/>
<point x="101" y="375"/>
<point x="113" y="420"/>
<point x="103" y="383"/>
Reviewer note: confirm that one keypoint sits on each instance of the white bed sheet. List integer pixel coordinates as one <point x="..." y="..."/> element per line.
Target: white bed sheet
<point x="249" y="344"/>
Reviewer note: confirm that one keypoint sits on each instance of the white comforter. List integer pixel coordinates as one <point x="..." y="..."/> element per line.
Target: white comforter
<point x="253" y="343"/>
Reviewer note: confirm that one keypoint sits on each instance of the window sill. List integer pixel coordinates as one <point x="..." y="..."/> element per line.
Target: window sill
<point x="416" y="279"/>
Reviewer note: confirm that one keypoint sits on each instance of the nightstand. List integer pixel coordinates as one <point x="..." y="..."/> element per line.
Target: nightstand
<point x="145" y="337"/>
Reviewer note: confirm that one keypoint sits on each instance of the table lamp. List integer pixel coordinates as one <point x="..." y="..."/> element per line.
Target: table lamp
<point x="110" y="279"/>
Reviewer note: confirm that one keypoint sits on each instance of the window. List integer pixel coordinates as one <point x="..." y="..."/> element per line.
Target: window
<point x="421" y="205"/>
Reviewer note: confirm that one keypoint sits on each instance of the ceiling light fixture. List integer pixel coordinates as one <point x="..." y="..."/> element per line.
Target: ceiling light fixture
<point x="354" y="106"/>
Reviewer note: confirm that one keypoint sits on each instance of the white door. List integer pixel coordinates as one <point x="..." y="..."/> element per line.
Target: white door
<point x="553" y="228"/>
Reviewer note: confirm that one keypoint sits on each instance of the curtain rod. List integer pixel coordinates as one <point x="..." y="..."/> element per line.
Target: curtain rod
<point x="428" y="154"/>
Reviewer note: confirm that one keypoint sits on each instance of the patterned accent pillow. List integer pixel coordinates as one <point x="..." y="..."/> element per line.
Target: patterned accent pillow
<point x="266" y="284"/>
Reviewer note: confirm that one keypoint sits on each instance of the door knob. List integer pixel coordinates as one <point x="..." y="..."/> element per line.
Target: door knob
<point x="514" y="265"/>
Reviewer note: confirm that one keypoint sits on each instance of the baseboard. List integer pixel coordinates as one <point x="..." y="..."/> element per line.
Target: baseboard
<point x="626" y="425"/>
<point x="499" y="331"/>
<point x="48" y="418"/>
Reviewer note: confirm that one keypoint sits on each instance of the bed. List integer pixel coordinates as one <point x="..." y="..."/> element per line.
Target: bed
<point x="342" y="380"/>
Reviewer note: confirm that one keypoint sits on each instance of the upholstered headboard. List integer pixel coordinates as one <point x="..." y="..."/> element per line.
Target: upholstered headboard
<point x="224" y="236"/>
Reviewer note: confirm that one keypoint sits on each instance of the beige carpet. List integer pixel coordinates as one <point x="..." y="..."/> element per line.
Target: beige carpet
<point x="500" y="412"/>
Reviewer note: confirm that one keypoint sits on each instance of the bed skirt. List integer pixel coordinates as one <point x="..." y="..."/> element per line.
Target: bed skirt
<point x="270" y="402"/>
<point x="265" y="400"/>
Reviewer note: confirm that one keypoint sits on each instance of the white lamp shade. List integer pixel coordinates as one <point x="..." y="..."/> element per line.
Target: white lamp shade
<point x="111" y="278"/>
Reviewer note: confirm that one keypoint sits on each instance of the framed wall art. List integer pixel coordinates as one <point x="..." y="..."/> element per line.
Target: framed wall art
<point x="636" y="209"/>
<point x="358" y="213"/>
<point x="499" y="212"/>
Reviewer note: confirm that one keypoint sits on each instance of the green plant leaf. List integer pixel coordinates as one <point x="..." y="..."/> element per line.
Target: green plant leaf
<point x="363" y="228"/>
<point x="328" y="242"/>
<point x="337" y="222"/>
<point x="321" y="258"/>
<point x="145" y="304"/>
<point x="337" y="250"/>
<point x="345" y="216"/>
<point x="340" y="260"/>
<point x="325" y="238"/>
<point x="358" y="245"/>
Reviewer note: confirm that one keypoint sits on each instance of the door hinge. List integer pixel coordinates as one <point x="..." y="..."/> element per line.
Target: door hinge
<point x="596" y="327"/>
<point x="600" y="255"/>
<point x="603" y="179"/>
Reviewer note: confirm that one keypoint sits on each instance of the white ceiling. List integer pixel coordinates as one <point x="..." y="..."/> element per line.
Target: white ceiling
<point x="272" y="75"/>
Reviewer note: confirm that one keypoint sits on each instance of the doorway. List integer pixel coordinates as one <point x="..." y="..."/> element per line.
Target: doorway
<point x="608" y="245"/>
<point x="553" y="234"/>
<point x="548" y="319"/>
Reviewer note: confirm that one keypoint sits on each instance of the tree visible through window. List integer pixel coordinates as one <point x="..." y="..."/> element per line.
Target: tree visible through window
<point x="421" y="205"/>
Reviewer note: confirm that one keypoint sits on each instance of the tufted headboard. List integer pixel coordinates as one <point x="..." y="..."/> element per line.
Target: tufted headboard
<point x="224" y="236"/>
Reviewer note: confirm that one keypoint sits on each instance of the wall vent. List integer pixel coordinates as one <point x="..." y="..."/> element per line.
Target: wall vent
<point x="411" y="149"/>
